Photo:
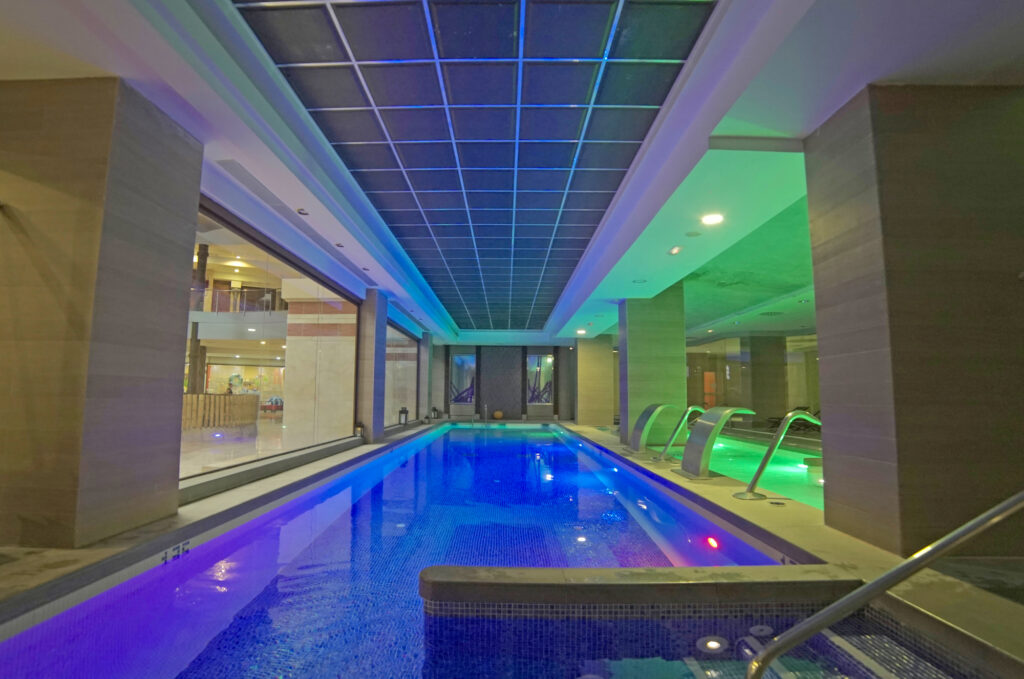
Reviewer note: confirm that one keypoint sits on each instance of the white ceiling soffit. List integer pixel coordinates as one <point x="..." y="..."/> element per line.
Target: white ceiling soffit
<point x="164" y="50"/>
<point x="739" y="39"/>
<point x="842" y="45"/>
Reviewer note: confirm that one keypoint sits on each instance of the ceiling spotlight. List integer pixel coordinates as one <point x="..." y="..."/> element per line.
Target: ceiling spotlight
<point x="284" y="346"/>
<point x="236" y="270"/>
<point x="711" y="219"/>
<point x="581" y="331"/>
<point x="263" y="341"/>
<point x="303" y="211"/>
<point x="710" y="330"/>
<point x="278" y="358"/>
<point x="251" y="329"/>
<point x="675" y="250"/>
<point x="238" y="256"/>
<point x="581" y="539"/>
<point x="237" y="356"/>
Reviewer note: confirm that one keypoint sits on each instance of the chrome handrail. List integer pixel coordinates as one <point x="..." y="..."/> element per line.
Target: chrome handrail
<point x="835" y="612"/>
<point x="793" y="415"/>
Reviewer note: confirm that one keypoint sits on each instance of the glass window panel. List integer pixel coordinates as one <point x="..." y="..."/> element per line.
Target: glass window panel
<point x="269" y="365"/>
<point x="400" y="378"/>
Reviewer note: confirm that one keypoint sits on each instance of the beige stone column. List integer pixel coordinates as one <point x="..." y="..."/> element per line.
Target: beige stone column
<point x="100" y="194"/>
<point x="915" y="211"/>
<point x="425" y="354"/>
<point x="595" y="381"/>
<point x="371" y="355"/>
<point x="652" y="358"/>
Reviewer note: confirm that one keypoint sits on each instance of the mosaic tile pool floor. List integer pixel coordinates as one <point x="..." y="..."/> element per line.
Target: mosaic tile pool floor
<point x="326" y="586"/>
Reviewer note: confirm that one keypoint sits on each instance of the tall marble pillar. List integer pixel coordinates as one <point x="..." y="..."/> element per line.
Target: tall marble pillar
<point x="652" y="359"/>
<point x="424" y="357"/>
<point x="595" y="381"/>
<point x="100" y="193"/>
<point x="915" y="213"/>
<point x="766" y="375"/>
<point x="371" y="356"/>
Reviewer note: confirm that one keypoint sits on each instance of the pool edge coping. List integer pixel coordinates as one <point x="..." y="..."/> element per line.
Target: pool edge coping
<point x="33" y="605"/>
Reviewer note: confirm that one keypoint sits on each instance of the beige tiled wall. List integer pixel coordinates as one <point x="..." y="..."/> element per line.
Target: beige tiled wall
<point x="915" y="213"/>
<point x="652" y="359"/>
<point x="595" y="394"/>
<point x="100" y="192"/>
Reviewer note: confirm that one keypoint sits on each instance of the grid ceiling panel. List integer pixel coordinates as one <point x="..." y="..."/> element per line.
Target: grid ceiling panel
<point x="491" y="135"/>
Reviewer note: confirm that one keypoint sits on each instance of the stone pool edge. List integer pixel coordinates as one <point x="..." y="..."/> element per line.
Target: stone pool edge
<point x="117" y="559"/>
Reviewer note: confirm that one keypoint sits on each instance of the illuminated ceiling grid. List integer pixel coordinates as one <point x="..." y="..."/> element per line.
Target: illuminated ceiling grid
<point x="490" y="135"/>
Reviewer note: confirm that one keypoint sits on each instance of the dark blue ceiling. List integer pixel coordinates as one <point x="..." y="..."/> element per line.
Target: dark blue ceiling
<point x="490" y="135"/>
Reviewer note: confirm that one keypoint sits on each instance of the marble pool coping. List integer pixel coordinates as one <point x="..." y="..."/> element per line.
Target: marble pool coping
<point x="38" y="583"/>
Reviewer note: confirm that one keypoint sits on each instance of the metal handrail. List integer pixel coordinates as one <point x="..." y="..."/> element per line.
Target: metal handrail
<point x="793" y="415"/>
<point x="835" y="612"/>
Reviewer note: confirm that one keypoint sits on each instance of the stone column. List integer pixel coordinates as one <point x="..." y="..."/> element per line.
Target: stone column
<point x="766" y="375"/>
<point x="100" y="193"/>
<point x="423" y="381"/>
<point x="652" y="358"/>
<point x="595" y="380"/>
<point x="915" y="213"/>
<point x="371" y="356"/>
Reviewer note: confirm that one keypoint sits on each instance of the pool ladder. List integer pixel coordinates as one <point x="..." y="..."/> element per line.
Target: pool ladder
<point x="863" y="595"/>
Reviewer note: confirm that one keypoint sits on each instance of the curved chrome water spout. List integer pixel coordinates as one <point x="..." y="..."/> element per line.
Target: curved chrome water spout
<point x="751" y="492"/>
<point x="642" y="427"/>
<point x="697" y="453"/>
<point x="680" y="426"/>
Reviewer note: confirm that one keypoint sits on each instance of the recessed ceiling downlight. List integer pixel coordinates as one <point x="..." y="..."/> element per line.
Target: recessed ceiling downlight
<point x="711" y="219"/>
<point x="581" y="331"/>
<point x="674" y="250"/>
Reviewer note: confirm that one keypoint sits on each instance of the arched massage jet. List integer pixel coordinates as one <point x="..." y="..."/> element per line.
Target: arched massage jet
<point x="697" y="453"/>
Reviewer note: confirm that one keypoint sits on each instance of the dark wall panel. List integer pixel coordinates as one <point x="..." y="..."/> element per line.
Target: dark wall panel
<point x="501" y="380"/>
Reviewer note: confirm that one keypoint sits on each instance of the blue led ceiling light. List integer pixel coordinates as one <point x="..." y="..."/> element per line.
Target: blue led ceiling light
<point x="490" y="135"/>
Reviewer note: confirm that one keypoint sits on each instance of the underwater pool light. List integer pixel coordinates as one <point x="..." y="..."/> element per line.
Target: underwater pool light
<point x="712" y="644"/>
<point x="713" y="543"/>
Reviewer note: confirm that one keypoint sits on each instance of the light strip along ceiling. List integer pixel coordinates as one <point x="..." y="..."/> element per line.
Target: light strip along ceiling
<point x="491" y="136"/>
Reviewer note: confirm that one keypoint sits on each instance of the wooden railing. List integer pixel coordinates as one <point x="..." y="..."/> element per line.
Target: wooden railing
<point x="219" y="410"/>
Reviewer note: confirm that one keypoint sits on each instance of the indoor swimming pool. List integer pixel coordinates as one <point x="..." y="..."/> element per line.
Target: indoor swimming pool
<point x="326" y="584"/>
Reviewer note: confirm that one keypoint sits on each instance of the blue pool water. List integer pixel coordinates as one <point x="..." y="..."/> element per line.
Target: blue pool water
<point x="326" y="585"/>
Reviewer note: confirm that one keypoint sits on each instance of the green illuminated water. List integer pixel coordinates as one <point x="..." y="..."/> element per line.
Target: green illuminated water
<point x="786" y="474"/>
